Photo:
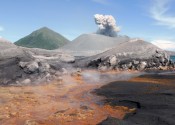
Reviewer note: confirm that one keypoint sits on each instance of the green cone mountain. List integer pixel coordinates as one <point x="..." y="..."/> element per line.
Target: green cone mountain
<point x="44" y="38"/>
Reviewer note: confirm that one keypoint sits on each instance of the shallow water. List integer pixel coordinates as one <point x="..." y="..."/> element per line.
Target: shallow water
<point x="172" y="58"/>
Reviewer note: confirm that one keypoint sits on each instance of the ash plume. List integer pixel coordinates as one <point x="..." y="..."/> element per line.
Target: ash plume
<point x="107" y="25"/>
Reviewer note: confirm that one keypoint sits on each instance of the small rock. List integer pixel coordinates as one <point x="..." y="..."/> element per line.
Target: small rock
<point x="163" y="67"/>
<point x="77" y="72"/>
<point x="158" y="55"/>
<point x="135" y="62"/>
<point x="17" y="82"/>
<point x="142" y="65"/>
<point x="32" y="67"/>
<point x="60" y="79"/>
<point x="58" y="73"/>
<point x="124" y="67"/>
<point x="67" y="58"/>
<point x="162" y="59"/>
<point x="44" y="67"/>
<point x="103" y="68"/>
<point x="30" y="122"/>
<point x="124" y="54"/>
<point x="129" y="65"/>
<point x="83" y="107"/>
<point x="78" y="69"/>
<point x="64" y="71"/>
<point x="23" y="64"/>
<point x="113" y="60"/>
<point x="95" y="63"/>
<point x="48" y="75"/>
<point x="52" y="71"/>
<point x="26" y="81"/>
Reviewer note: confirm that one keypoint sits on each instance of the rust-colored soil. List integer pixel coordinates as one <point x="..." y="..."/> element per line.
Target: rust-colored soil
<point x="68" y="103"/>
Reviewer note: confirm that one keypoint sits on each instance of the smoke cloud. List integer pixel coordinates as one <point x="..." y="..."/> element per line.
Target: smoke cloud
<point x="107" y="25"/>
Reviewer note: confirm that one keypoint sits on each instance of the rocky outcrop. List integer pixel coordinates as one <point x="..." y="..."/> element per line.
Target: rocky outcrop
<point x="19" y="65"/>
<point x="29" y="67"/>
<point x="135" y="54"/>
<point x="159" y="60"/>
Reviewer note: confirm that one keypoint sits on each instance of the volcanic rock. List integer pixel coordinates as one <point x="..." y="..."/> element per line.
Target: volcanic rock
<point x="21" y="64"/>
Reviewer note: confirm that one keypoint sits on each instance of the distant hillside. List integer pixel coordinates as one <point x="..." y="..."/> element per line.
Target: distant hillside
<point x="91" y="44"/>
<point x="44" y="38"/>
<point x="132" y="49"/>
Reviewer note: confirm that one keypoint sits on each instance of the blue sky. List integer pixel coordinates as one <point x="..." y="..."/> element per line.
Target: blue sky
<point x="152" y="20"/>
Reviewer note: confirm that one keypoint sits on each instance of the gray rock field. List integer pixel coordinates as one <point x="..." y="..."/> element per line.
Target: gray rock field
<point x="20" y="65"/>
<point x="24" y="65"/>
<point x="135" y="54"/>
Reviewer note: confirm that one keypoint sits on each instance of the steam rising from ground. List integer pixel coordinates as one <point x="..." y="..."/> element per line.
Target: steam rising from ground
<point x="102" y="78"/>
<point x="107" y="25"/>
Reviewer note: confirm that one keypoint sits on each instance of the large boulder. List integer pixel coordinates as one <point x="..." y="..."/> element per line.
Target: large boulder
<point x="44" y="67"/>
<point x="113" y="60"/>
<point x="25" y="82"/>
<point x="67" y="58"/>
<point x="29" y="67"/>
<point x="142" y="65"/>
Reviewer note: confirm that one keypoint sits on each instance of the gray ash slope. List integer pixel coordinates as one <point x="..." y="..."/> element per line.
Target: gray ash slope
<point x="8" y="49"/>
<point x="91" y="44"/>
<point x="20" y="65"/>
<point x="134" y="54"/>
<point x="5" y="44"/>
<point x="135" y="48"/>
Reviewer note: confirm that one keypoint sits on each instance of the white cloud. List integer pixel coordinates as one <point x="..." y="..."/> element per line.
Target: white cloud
<point x="1" y="28"/>
<point x="101" y="1"/>
<point x="160" y="12"/>
<point x="164" y="44"/>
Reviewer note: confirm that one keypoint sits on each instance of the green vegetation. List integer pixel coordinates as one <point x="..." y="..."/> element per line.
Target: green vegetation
<point x="43" y="38"/>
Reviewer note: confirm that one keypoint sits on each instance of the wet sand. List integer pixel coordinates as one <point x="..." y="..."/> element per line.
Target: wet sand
<point x="87" y="101"/>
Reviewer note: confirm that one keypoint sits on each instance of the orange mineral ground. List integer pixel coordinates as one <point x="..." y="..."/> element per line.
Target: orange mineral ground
<point x="74" y="102"/>
<point x="70" y="102"/>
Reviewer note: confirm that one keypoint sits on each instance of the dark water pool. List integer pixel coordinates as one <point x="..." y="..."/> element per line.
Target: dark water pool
<point x="172" y="58"/>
